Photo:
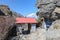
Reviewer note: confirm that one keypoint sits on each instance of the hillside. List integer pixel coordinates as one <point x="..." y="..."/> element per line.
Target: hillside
<point x="7" y="21"/>
<point x="5" y="10"/>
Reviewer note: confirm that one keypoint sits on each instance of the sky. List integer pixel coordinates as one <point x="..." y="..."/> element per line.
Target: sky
<point x="23" y="7"/>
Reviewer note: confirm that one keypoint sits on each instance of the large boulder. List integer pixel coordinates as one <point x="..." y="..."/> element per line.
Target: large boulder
<point x="58" y="4"/>
<point x="47" y="8"/>
<point x="6" y="24"/>
<point x="54" y="31"/>
<point x="45" y="2"/>
<point x="55" y="25"/>
<point x="7" y="21"/>
<point x="56" y="13"/>
<point x="5" y="9"/>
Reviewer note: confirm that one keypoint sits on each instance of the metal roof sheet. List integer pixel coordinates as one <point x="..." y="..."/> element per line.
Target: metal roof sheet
<point x="25" y="20"/>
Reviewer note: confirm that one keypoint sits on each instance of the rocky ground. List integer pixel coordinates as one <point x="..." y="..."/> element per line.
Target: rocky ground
<point x="53" y="33"/>
<point x="39" y="34"/>
<point x="42" y="34"/>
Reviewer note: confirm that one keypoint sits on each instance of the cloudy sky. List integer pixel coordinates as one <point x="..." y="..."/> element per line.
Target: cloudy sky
<point x="21" y="6"/>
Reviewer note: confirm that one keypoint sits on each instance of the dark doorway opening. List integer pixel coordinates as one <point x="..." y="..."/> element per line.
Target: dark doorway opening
<point x="25" y="32"/>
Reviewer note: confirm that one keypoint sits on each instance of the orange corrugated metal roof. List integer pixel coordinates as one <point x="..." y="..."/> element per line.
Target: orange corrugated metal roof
<point x="25" y="20"/>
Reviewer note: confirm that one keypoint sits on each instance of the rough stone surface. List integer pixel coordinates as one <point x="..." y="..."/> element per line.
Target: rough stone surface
<point x="42" y="34"/>
<point x="46" y="7"/>
<point x="50" y="9"/>
<point x="55" y="25"/>
<point x="7" y="21"/>
<point x="53" y="34"/>
<point x="39" y="34"/>
<point x="6" y="24"/>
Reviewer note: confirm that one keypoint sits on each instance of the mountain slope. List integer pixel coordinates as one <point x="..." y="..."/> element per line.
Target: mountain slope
<point x="32" y="15"/>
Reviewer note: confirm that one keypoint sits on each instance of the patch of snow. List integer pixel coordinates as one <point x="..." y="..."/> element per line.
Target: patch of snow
<point x="32" y="15"/>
